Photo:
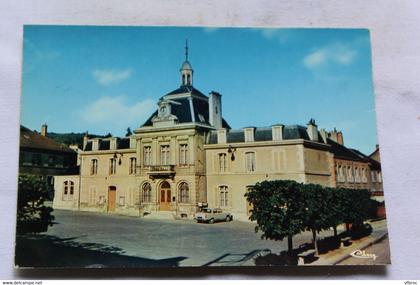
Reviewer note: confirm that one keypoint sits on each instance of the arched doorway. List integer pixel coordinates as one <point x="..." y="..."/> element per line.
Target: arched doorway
<point x="165" y="196"/>
<point x="112" y="195"/>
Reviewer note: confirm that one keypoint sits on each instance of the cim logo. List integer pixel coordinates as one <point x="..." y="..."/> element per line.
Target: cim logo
<point x="363" y="254"/>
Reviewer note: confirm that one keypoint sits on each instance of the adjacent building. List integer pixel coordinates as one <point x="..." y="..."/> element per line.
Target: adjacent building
<point x="42" y="156"/>
<point x="186" y="154"/>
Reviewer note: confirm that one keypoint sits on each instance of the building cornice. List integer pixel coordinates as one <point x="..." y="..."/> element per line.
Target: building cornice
<point x="269" y="143"/>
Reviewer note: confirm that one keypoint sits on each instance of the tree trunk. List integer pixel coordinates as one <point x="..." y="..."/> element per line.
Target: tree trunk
<point x="335" y="231"/>
<point x="347" y="227"/>
<point x="290" y="244"/>
<point x="314" y="240"/>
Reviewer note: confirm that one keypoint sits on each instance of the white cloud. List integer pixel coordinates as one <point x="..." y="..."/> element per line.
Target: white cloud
<point x="116" y="112"/>
<point x="337" y="53"/>
<point x="110" y="76"/>
<point x="280" y="35"/>
<point x="314" y="59"/>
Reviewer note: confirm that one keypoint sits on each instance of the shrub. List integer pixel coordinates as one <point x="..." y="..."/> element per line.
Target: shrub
<point x="32" y="214"/>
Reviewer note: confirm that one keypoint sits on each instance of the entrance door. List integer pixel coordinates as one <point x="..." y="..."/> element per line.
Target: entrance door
<point x="165" y="196"/>
<point x="112" y="193"/>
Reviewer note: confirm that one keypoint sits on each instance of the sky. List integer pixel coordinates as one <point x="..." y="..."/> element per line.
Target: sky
<point x="106" y="79"/>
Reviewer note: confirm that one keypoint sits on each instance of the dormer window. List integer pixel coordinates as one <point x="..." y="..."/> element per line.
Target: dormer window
<point x="249" y="134"/>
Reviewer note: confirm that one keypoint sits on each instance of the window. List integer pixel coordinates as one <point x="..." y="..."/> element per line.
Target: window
<point x="364" y="175"/>
<point x="68" y="191"/>
<point x="379" y="177"/>
<point x="147" y="155"/>
<point x="373" y="176"/>
<point x="183" y="154"/>
<point x="250" y="161"/>
<point x="357" y="176"/>
<point x="222" y="162"/>
<point x="51" y="160"/>
<point x="183" y="192"/>
<point x="340" y="174"/>
<point x="132" y="168"/>
<point x="224" y="193"/>
<point x="349" y="174"/>
<point x="36" y="159"/>
<point x="94" y="167"/>
<point x="164" y="155"/>
<point x="112" y="166"/>
<point x="249" y="135"/>
<point x="147" y="192"/>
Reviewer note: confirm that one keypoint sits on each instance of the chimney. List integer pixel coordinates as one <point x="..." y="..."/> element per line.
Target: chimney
<point x="340" y="139"/>
<point x="312" y="130"/>
<point x="221" y="136"/>
<point x="44" y="130"/>
<point x="215" y="109"/>
<point x="277" y="132"/>
<point x="85" y="140"/>
<point x="324" y="135"/>
<point x="333" y="135"/>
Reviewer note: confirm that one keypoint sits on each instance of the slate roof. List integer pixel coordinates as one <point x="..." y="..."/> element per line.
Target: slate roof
<point x="187" y="89"/>
<point x="343" y="152"/>
<point x="374" y="164"/>
<point x="290" y="132"/>
<point x="34" y="140"/>
<point x="122" y="143"/>
<point x="181" y="108"/>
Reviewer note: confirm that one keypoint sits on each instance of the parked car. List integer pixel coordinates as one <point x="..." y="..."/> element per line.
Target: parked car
<point x="212" y="215"/>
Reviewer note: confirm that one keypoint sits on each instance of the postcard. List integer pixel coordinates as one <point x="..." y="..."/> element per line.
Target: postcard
<point x="195" y="146"/>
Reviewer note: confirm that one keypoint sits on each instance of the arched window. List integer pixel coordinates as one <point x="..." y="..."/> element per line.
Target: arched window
<point x="183" y="193"/>
<point x="147" y="192"/>
<point x="224" y="196"/>
<point x="68" y="189"/>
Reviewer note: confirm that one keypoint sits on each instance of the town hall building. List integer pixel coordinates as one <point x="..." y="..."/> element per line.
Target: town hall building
<point x="186" y="155"/>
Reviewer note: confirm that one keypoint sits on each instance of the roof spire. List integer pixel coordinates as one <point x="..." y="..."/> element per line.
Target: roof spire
<point x="186" y="69"/>
<point x="186" y="49"/>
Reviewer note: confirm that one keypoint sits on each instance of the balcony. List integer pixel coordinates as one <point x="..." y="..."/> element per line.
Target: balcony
<point x="161" y="171"/>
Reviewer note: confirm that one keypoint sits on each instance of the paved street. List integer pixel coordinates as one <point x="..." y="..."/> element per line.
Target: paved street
<point x="92" y="239"/>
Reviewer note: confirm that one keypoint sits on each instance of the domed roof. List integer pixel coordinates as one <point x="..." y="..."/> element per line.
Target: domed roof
<point x="186" y="65"/>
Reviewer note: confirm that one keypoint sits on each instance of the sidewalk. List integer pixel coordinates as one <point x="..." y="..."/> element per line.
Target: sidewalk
<point x="337" y="256"/>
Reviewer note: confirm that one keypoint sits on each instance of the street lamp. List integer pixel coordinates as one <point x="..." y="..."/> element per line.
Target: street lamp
<point x="231" y="150"/>
<point x="116" y="156"/>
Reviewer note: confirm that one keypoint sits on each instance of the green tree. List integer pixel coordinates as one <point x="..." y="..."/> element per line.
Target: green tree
<point x="278" y="209"/>
<point x="317" y="212"/>
<point x="355" y="206"/>
<point x="335" y="217"/>
<point x="32" y="214"/>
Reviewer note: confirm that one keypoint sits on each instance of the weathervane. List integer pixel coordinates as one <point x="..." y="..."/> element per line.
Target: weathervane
<point x="186" y="49"/>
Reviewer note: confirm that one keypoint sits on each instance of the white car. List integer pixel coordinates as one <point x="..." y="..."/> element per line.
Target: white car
<point x="212" y="215"/>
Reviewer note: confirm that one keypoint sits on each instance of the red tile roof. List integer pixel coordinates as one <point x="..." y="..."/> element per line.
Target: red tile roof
<point x="31" y="139"/>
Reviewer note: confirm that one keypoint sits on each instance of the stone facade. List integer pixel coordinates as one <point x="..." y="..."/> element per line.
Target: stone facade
<point x="186" y="153"/>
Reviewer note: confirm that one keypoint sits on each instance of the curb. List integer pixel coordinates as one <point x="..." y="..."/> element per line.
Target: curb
<point x="376" y="240"/>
